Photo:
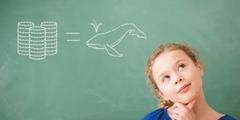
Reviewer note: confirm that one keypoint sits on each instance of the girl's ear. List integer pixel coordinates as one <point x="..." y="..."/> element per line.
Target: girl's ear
<point x="160" y="93"/>
<point x="200" y="68"/>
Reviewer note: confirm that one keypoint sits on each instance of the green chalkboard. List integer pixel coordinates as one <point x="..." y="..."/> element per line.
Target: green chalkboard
<point x="85" y="59"/>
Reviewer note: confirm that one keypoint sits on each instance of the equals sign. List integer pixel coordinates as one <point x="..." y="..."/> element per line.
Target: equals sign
<point x="72" y="33"/>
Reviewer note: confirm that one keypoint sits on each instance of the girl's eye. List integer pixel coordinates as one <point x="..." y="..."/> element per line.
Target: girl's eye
<point x="181" y="67"/>
<point x="166" y="78"/>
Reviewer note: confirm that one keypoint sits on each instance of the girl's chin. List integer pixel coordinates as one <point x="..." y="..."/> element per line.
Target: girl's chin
<point x="187" y="99"/>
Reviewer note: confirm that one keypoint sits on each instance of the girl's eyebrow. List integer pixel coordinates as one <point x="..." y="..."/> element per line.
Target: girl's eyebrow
<point x="178" y="61"/>
<point x="161" y="75"/>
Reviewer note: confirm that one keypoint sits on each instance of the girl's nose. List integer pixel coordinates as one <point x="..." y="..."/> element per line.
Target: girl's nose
<point x="179" y="79"/>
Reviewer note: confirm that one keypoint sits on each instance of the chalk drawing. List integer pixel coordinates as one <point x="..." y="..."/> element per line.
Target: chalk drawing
<point x="72" y="33"/>
<point x="110" y="39"/>
<point x="23" y="37"/>
<point x="73" y="40"/>
<point x="95" y="25"/>
<point x="37" y="42"/>
<point x="50" y="37"/>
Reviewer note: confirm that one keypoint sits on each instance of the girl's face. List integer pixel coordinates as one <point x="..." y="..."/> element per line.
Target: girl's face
<point x="178" y="78"/>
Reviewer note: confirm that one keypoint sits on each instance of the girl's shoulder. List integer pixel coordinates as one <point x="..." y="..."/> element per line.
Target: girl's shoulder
<point x="226" y="117"/>
<point x="162" y="114"/>
<point x="158" y="114"/>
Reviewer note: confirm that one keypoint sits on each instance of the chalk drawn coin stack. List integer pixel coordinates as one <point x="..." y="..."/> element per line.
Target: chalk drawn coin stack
<point x="37" y="42"/>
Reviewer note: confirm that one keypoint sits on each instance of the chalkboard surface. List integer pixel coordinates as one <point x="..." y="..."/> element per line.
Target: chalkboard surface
<point x="85" y="59"/>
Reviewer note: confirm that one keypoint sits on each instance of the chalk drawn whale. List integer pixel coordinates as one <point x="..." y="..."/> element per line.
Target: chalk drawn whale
<point x="108" y="40"/>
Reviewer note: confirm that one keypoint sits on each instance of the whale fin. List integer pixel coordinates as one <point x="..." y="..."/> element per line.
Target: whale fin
<point x="112" y="52"/>
<point x="120" y="39"/>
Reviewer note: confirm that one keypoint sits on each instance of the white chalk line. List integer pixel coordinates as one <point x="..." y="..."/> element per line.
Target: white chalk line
<point x="72" y="33"/>
<point x="73" y="40"/>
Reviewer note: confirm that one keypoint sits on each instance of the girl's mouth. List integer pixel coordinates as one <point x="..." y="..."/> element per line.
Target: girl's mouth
<point x="184" y="88"/>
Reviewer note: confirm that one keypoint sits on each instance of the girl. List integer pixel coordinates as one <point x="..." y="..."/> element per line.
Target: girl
<point x="175" y="73"/>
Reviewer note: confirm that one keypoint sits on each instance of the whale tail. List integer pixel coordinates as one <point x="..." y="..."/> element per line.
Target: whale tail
<point x="137" y="32"/>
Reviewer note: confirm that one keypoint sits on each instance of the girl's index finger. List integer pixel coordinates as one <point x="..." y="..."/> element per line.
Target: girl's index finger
<point x="180" y="106"/>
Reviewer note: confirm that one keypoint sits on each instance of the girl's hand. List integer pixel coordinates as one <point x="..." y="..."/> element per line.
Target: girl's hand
<point x="182" y="112"/>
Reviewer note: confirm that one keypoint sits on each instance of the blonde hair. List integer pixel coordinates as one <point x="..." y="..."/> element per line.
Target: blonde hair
<point x="191" y="52"/>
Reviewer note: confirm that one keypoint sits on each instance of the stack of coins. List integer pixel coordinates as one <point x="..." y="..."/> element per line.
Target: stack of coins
<point x="51" y="37"/>
<point x="37" y="49"/>
<point x="23" y="29"/>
